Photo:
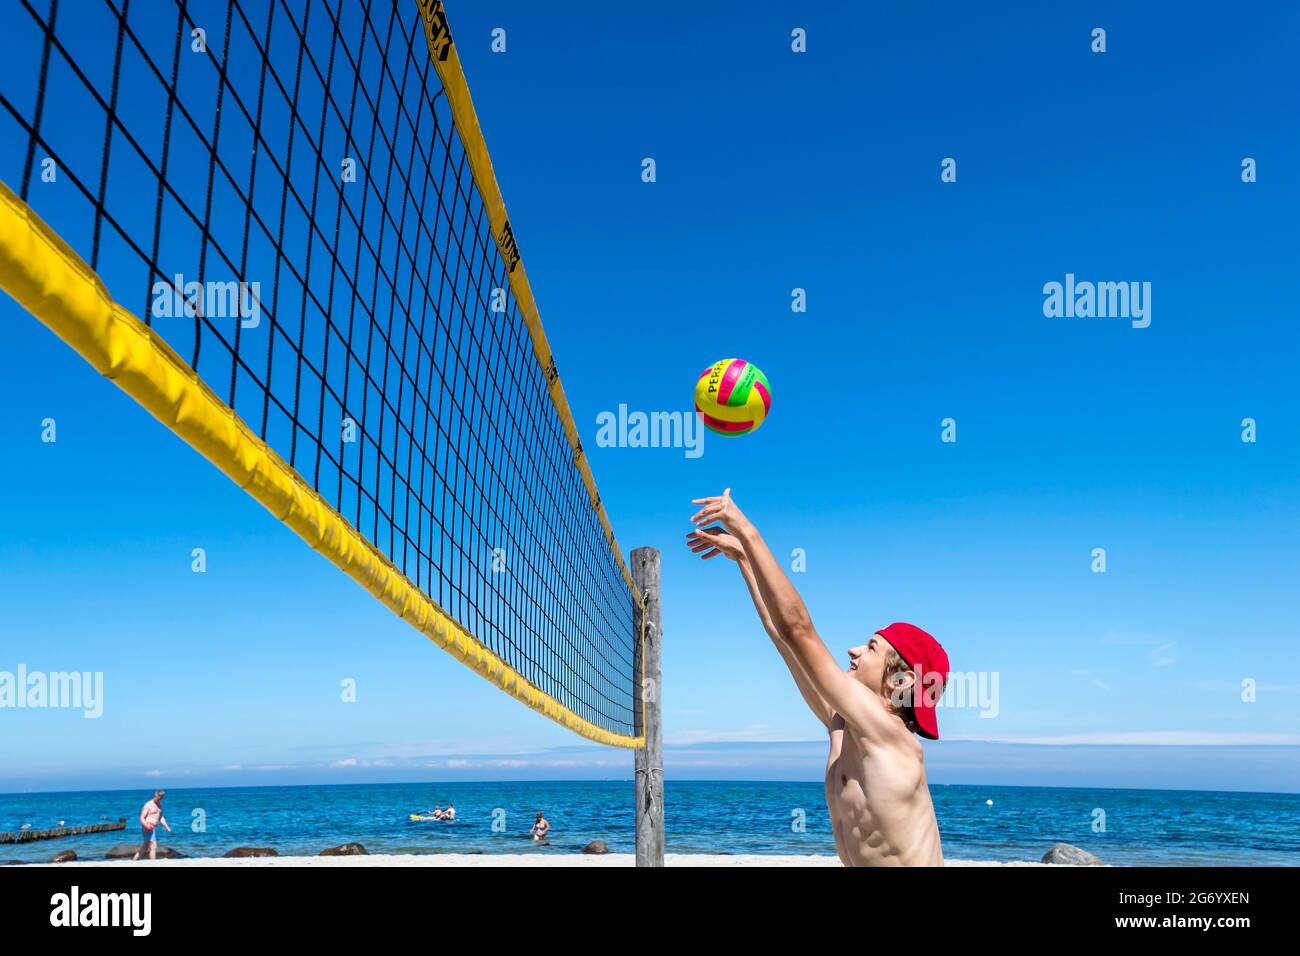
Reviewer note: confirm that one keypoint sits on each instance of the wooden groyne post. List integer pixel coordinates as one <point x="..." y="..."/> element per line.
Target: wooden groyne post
<point x="27" y="836"/>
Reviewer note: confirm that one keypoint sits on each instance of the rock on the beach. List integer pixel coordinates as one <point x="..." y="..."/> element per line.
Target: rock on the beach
<point x="347" y="849"/>
<point x="1068" y="855"/>
<point x="124" y="851"/>
<point x="595" y="846"/>
<point x="243" y="851"/>
<point x="67" y="856"/>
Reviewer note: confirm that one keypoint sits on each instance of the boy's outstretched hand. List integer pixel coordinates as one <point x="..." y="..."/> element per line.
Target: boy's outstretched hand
<point x="713" y="542"/>
<point x="722" y="510"/>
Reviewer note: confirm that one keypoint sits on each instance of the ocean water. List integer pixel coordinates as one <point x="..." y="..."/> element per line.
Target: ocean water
<point x="1142" y="827"/>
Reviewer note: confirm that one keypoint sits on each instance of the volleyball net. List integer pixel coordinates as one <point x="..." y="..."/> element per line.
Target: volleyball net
<point x="276" y="226"/>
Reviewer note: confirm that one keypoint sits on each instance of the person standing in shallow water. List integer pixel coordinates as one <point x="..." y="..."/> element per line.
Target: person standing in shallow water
<point x="540" y="828"/>
<point x="151" y="817"/>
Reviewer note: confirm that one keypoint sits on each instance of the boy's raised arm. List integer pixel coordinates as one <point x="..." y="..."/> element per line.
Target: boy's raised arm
<point x="812" y="697"/>
<point x="709" y="543"/>
<point x="792" y="622"/>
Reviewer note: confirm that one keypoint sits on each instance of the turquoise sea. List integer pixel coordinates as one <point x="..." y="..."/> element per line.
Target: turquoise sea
<point x="1141" y="827"/>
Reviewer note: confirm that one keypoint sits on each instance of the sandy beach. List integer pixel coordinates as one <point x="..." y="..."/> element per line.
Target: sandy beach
<point x="488" y="859"/>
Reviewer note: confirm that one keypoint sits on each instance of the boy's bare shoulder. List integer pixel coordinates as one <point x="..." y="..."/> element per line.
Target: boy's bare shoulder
<point x="897" y="737"/>
<point x="889" y="732"/>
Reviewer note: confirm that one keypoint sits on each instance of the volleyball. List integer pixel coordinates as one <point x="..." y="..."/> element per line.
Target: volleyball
<point x="733" y="396"/>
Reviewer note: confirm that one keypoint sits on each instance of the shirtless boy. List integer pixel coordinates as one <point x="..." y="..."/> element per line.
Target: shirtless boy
<point x="876" y="790"/>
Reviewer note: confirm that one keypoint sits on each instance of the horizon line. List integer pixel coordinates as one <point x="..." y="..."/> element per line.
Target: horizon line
<point x="628" y="780"/>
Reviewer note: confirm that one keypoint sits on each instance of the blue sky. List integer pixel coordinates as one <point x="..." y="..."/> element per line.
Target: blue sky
<point x="774" y="171"/>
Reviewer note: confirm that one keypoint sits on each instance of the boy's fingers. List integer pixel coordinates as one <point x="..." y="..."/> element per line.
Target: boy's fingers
<point x="712" y="554"/>
<point x="703" y="538"/>
<point x="725" y="496"/>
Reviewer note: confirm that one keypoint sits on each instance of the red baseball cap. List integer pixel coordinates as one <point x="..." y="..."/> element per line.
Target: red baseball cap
<point x="930" y="662"/>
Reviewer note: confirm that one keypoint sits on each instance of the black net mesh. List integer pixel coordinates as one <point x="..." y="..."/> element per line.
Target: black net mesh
<point x="281" y="190"/>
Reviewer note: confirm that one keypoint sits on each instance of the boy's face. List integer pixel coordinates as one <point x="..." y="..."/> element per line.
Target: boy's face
<point x="867" y="662"/>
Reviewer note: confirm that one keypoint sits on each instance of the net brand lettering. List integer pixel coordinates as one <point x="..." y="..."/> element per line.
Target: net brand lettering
<point x="436" y="31"/>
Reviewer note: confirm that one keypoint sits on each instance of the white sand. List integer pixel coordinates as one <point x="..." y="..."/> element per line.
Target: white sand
<point x="493" y="859"/>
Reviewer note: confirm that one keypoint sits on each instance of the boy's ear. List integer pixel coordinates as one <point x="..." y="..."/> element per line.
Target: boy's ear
<point x="900" y="686"/>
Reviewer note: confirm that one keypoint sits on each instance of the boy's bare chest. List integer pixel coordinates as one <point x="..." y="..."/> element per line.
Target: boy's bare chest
<point x="844" y="763"/>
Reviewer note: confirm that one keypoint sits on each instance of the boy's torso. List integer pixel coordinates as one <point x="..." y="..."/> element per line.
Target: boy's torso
<point x="879" y="803"/>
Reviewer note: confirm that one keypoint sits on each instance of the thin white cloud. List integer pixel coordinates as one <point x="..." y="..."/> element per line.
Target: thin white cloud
<point x="1162" y="650"/>
<point x="512" y="763"/>
<point x="1150" y="738"/>
<point x="1095" y="681"/>
<point x="1127" y="640"/>
<point x="1234" y="688"/>
<point x="755" y="734"/>
<point x="1163" y="655"/>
